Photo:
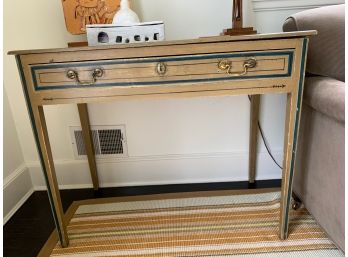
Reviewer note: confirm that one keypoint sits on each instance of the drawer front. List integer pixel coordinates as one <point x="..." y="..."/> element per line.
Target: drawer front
<point x="162" y="70"/>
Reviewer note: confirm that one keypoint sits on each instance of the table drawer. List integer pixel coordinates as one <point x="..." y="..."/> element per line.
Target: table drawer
<point x="163" y="70"/>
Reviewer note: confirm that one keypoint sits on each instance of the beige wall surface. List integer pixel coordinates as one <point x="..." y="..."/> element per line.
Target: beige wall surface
<point x="17" y="185"/>
<point x="13" y="156"/>
<point x="159" y="133"/>
<point x="29" y="25"/>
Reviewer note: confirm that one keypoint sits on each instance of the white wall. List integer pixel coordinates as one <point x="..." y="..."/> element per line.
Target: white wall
<point x="17" y="183"/>
<point x="176" y="141"/>
<point x="269" y="15"/>
<point x="13" y="157"/>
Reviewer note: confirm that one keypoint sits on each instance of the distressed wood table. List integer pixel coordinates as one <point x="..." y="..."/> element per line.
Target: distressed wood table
<point x="248" y="65"/>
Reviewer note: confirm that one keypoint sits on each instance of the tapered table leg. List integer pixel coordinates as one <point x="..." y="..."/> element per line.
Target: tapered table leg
<point x="45" y="154"/>
<point x="292" y="123"/>
<point x="287" y="165"/>
<point x="88" y="140"/>
<point x="254" y="118"/>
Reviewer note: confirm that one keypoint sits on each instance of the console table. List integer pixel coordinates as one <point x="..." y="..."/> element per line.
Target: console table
<point x="249" y="65"/>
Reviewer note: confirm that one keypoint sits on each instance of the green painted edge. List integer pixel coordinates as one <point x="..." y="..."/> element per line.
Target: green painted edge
<point x="35" y="132"/>
<point x="297" y="123"/>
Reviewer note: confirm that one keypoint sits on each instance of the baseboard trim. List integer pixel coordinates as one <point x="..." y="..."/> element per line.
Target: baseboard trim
<point x="63" y="187"/>
<point x="162" y="183"/>
<point x="106" y="185"/>
<point x="17" y="188"/>
<point x="159" y="170"/>
<point x="18" y="205"/>
<point x="14" y="175"/>
<point x="164" y="157"/>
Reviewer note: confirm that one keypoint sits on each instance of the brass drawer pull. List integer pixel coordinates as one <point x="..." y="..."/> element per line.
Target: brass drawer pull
<point x="161" y="68"/>
<point x="97" y="73"/>
<point x="226" y="65"/>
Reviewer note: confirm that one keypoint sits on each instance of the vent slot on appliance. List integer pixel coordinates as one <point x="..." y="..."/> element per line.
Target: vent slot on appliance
<point x="108" y="141"/>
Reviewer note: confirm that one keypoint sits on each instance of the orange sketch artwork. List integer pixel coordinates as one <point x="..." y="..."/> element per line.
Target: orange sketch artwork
<point x="79" y="13"/>
<point x="93" y="12"/>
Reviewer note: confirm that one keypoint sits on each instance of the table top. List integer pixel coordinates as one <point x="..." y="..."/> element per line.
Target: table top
<point x="282" y="35"/>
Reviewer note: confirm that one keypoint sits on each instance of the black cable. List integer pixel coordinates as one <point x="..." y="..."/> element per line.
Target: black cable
<point x="265" y="142"/>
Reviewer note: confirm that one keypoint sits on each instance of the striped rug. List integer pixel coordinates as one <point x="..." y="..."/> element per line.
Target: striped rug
<point x="192" y="226"/>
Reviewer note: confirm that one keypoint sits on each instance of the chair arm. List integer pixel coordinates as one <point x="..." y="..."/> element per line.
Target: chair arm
<point x="326" y="50"/>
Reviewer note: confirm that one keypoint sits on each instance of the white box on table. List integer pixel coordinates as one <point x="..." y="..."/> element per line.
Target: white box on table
<point x="110" y="34"/>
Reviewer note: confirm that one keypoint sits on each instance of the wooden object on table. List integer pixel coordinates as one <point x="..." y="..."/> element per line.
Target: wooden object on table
<point x="79" y="13"/>
<point x="77" y="44"/>
<point x="259" y="64"/>
<point x="237" y="21"/>
<point x="86" y="133"/>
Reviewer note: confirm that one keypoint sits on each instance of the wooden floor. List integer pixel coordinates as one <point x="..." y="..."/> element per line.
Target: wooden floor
<point x="27" y="231"/>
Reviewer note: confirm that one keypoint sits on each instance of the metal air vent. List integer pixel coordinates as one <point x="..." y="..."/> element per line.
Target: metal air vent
<point x="108" y="141"/>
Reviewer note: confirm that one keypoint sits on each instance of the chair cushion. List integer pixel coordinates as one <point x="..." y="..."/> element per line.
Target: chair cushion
<point x="326" y="95"/>
<point x="326" y="50"/>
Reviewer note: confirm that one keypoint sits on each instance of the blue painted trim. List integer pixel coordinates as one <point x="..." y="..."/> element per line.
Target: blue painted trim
<point x="35" y="132"/>
<point x="297" y="123"/>
<point x="150" y="60"/>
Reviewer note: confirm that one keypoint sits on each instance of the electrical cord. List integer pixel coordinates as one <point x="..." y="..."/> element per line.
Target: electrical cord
<point x="265" y="142"/>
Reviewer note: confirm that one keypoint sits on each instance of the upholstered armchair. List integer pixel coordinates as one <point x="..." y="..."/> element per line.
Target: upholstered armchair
<point x="319" y="177"/>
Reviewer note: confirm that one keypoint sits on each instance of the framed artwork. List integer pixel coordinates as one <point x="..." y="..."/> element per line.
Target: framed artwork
<point x="79" y="13"/>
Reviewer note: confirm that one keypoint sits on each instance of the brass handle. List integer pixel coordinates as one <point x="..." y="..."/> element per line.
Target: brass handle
<point x="97" y="73"/>
<point x="161" y="68"/>
<point x="226" y="65"/>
